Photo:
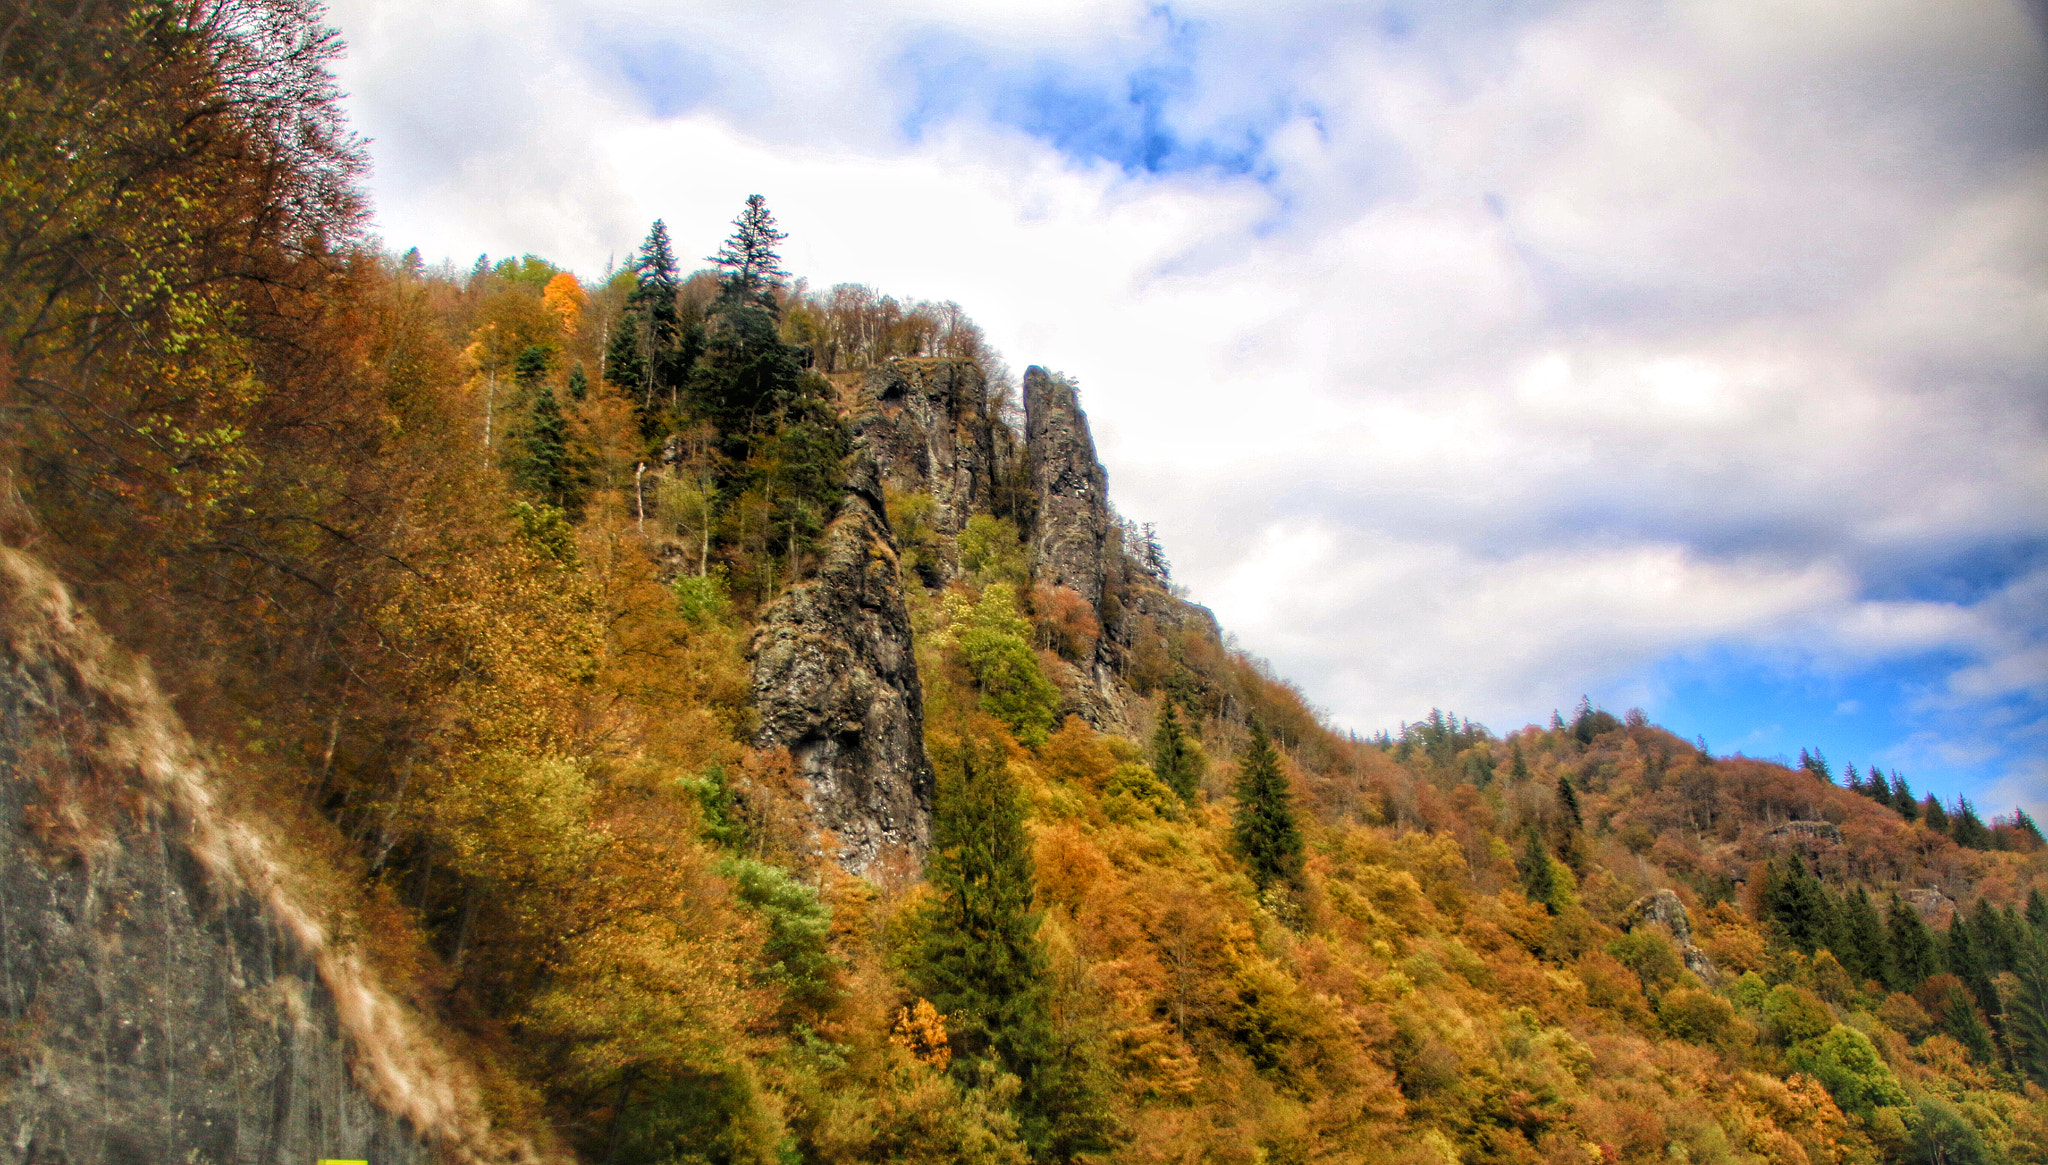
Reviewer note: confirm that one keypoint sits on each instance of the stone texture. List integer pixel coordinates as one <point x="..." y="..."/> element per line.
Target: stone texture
<point x="927" y="424"/>
<point x="835" y="682"/>
<point x="1664" y="909"/>
<point x="160" y="1001"/>
<point x="1807" y="831"/>
<point x="1070" y="538"/>
<point x="1935" y="908"/>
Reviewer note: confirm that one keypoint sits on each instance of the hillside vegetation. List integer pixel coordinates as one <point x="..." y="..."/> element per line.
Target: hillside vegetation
<point x="454" y="573"/>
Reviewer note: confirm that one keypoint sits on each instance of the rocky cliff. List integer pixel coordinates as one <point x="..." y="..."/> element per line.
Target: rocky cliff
<point x="164" y="994"/>
<point x="1070" y="537"/>
<point x="835" y="683"/>
<point x="927" y="425"/>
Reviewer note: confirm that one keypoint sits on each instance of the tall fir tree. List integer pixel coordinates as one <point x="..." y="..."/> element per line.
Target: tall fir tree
<point x="1539" y="877"/>
<point x="1995" y="944"/>
<point x="982" y="963"/>
<point x="2027" y="1014"/>
<point x="1967" y="828"/>
<point x="652" y="308"/>
<point x="543" y="466"/>
<point x="1860" y="942"/>
<point x="1933" y="814"/>
<point x="1965" y="960"/>
<point x="1902" y="798"/>
<point x="1171" y="758"/>
<point x="751" y="268"/>
<point x="1799" y="910"/>
<point x="2037" y="911"/>
<point x="1877" y="788"/>
<point x="1518" y="765"/>
<point x="1911" y="947"/>
<point x="1264" y="827"/>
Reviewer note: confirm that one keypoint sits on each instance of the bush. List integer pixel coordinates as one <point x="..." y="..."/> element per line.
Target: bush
<point x="1700" y="1017"/>
<point x="1796" y="1014"/>
<point x="1651" y="956"/>
<point x="995" y="642"/>
<point x="991" y="551"/>
<point x="1847" y="1064"/>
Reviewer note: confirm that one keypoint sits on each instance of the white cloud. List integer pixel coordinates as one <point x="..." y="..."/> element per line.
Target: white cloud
<point x="1540" y="350"/>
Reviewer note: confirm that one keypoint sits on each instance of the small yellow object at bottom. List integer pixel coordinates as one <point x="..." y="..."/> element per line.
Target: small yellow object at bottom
<point x="336" y="1161"/>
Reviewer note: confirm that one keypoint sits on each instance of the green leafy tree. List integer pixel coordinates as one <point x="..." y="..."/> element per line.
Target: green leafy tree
<point x="1848" y="1066"/>
<point x="995" y="643"/>
<point x="1172" y="759"/>
<point x="1263" y="824"/>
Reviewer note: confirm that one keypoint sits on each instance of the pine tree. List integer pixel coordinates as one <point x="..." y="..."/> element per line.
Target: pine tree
<point x="983" y="965"/>
<point x="2037" y="911"/>
<point x="652" y="308"/>
<point x="1902" y="798"/>
<point x="2025" y="824"/>
<point x="1568" y="803"/>
<point x="544" y="468"/>
<point x="1170" y="755"/>
<point x="1965" y="960"/>
<point x="1518" y="765"/>
<point x="1876" y="788"/>
<point x="1851" y="779"/>
<point x="1539" y="880"/>
<point x="1263" y="823"/>
<point x="1933" y="814"/>
<point x="531" y="364"/>
<point x="2027" y="1014"/>
<point x="623" y="365"/>
<point x="579" y="384"/>
<point x="1911" y="946"/>
<point x="753" y="271"/>
<point x="1967" y="828"/>
<point x="1797" y="907"/>
<point x="1861" y="939"/>
<point x="1988" y="934"/>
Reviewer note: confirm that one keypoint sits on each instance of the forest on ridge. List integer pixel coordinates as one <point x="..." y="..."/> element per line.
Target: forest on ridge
<point x="459" y="575"/>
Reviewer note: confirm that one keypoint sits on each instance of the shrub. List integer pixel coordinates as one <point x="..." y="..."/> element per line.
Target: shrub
<point x="1796" y="1014"/>
<point x="1700" y="1017"/>
<point x="1846" y="1063"/>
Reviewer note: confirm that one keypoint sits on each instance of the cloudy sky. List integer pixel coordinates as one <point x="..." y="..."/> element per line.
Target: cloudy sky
<point x="1688" y="355"/>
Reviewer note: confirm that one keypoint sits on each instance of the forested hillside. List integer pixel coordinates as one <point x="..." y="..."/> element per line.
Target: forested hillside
<point x="730" y="717"/>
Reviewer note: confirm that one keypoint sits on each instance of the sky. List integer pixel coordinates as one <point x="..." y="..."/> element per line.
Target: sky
<point x="1480" y="356"/>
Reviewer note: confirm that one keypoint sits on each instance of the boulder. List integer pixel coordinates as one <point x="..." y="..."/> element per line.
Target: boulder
<point x="1665" y="910"/>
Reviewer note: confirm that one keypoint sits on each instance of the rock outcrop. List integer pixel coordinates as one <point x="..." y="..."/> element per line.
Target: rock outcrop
<point x="164" y="996"/>
<point x="1071" y="535"/>
<point x="1935" y="908"/>
<point x="1807" y="831"/>
<point x="926" y="422"/>
<point x="835" y="682"/>
<point x="1665" y="910"/>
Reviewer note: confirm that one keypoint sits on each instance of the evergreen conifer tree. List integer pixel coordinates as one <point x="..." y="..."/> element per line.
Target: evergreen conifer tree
<point x="1568" y="803"/>
<point x="652" y="308"/>
<point x="2027" y="1014"/>
<point x="1912" y="951"/>
<point x="1995" y="946"/>
<point x="1263" y="826"/>
<point x="2025" y="824"/>
<point x="2037" y="911"/>
<point x="623" y="365"/>
<point x="1933" y="814"/>
<point x="752" y="269"/>
<point x="1877" y="788"/>
<point x="1851" y="779"/>
<point x="1799" y="909"/>
<point x="1967" y="828"/>
<point x="982" y="963"/>
<point x="1170" y="756"/>
<point x="544" y="468"/>
<point x="579" y="384"/>
<point x="1902" y="798"/>
<point x="1965" y="960"/>
<point x="1861" y="939"/>
<point x="1518" y="765"/>
<point x="1539" y="881"/>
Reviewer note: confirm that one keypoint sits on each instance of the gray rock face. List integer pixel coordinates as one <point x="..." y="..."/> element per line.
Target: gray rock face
<point x="835" y="682"/>
<point x="927" y="424"/>
<point x="1663" y="908"/>
<point x="1934" y="907"/>
<point x="1806" y="831"/>
<point x="1070" y="541"/>
<point x="157" y="1001"/>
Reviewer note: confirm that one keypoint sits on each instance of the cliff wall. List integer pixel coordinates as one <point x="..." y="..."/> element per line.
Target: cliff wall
<point x="835" y="683"/>
<point x="164" y="994"/>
